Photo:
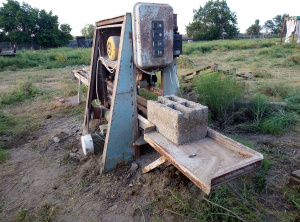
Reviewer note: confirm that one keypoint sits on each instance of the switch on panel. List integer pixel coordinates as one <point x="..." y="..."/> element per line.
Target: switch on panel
<point x="157" y="38"/>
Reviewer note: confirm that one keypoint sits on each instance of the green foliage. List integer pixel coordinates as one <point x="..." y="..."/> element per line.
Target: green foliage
<point x="3" y="155"/>
<point x="46" y="59"/>
<point x="275" y="124"/>
<point x="23" y="216"/>
<point x="24" y="90"/>
<point x="274" y="25"/>
<point x="219" y="94"/>
<point x="212" y="20"/>
<point x="259" y="104"/>
<point x="275" y="89"/>
<point x="254" y="29"/>
<point x="183" y="62"/>
<point x="88" y="31"/>
<point x="23" y="24"/>
<point x="228" y="45"/>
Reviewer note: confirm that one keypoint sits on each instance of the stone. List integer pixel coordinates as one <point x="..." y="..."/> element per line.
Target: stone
<point x="62" y="100"/>
<point x="133" y="167"/>
<point x="75" y="157"/>
<point x="56" y="139"/>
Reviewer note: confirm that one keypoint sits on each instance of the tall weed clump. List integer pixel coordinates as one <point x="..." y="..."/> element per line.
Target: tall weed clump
<point x="275" y="124"/>
<point x="258" y="107"/>
<point x="220" y="93"/>
<point x="24" y="90"/>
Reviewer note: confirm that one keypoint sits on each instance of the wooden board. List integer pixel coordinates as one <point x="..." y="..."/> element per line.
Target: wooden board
<point x="218" y="158"/>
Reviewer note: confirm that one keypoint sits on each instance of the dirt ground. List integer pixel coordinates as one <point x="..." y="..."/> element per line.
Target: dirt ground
<point x="47" y="178"/>
<point x="43" y="175"/>
<point x="53" y="181"/>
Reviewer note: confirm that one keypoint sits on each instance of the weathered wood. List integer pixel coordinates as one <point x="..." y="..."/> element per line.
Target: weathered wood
<point x="142" y="101"/>
<point x="118" y="19"/>
<point x="154" y="164"/>
<point x="145" y="124"/>
<point x="209" y="162"/>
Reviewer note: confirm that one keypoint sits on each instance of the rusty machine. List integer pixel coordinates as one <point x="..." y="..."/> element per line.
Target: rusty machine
<point x="128" y="53"/>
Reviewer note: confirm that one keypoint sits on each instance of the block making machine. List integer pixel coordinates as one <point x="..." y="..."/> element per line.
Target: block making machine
<point x="128" y="53"/>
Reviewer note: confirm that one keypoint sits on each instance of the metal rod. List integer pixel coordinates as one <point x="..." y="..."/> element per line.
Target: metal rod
<point x="109" y="26"/>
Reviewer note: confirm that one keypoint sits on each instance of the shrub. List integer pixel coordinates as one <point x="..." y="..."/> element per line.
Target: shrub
<point x="219" y="94"/>
<point x="276" y="124"/>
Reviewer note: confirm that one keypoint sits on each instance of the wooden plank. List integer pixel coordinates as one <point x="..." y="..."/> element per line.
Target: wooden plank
<point x="154" y="164"/>
<point x="210" y="161"/>
<point x="110" y="21"/>
<point x="142" y="101"/>
<point x="145" y="124"/>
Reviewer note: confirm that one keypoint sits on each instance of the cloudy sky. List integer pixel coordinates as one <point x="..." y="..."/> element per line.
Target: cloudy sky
<point x="79" y="13"/>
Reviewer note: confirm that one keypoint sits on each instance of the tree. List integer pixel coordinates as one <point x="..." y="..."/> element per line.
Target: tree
<point x="254" y="29"/>
<point x="88" y="31"/>
<point x="212" y="20"/>
<point x="24" y="24"/>
<point x="275" y="25"/>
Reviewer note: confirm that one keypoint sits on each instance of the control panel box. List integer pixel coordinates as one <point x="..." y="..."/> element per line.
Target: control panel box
<point x="152" y="34"/>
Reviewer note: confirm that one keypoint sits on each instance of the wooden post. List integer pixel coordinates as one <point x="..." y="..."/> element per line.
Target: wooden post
<point x="282" y="29"/>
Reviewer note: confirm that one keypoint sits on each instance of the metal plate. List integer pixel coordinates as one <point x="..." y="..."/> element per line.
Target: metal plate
<point x="144" y="14"/>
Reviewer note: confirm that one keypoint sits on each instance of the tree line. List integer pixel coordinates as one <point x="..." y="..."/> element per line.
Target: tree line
<point x="25" y="24"/>
<point x="215" y="20"/>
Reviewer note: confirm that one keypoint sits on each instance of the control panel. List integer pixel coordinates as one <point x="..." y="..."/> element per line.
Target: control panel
<point x="153" y="33"/>
<point x="158" y="38"/>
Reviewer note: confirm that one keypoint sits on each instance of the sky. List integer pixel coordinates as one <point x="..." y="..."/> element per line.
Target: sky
<point x="79" y="13"/>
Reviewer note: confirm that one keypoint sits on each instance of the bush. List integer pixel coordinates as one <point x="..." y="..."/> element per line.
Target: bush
<point x="219" y="94"/>
<point x="276" y="124"/>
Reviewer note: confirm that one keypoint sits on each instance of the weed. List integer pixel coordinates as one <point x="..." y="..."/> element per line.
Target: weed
<point x="46" y="212"/>
<point x="276" y="123"/>
<point x="46" y="59"/>
<point x="258" y="108"/>
<point x="259" y="182"/>
<point x="24" y="90"/>
<point x="219" y="94"/>
<point x="148" y="95"/>
<point x="3" y="155"/>
<point x="275" y="89"/>
<point x="23" y="216"/>
<point x="61" y="58"/>
<point x="183" y="62"/>
<point x="294" y="60"/>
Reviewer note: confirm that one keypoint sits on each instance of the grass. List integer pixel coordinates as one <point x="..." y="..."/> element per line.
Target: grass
<point x="24" y="90"/>
<point x="46" y="59"/>
<point x="226" y="45"/>
<point x="220" y="93"/>
<point x="276" y="72"/>
<point x="3" y="155"/>
<point x="277" y="123"/>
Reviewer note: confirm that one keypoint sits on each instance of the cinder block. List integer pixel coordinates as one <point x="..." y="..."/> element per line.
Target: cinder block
<point x="179" y="120"/>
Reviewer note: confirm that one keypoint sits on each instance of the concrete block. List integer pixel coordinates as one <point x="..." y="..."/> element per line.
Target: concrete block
<point x="179" y="120"/>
